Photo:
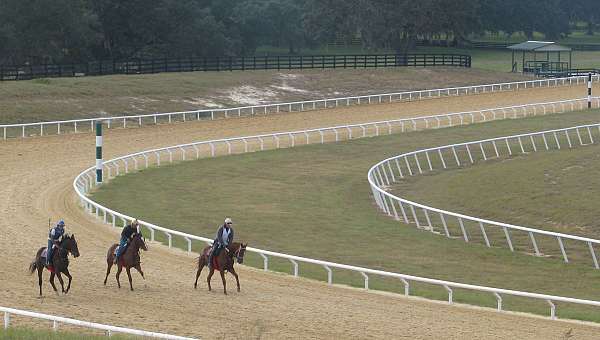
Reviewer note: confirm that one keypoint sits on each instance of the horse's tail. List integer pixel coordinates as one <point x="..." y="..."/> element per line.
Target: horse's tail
<point x="34" y="264"/>
<point x="32" y="267"/>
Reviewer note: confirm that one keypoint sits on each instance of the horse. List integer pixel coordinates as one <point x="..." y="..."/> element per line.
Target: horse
<point x="129" y="258"/>
<point x="222" y="262"/>
<point x="60" y="262"/>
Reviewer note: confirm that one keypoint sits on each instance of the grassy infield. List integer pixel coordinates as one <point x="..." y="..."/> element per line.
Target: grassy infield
<point x="314" y="201"/>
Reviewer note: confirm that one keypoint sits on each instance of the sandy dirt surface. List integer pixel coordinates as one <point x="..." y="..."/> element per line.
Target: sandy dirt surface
<point x="36" y="176"/>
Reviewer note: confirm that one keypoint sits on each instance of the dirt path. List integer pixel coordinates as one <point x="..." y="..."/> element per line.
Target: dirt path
<point x="36" y="176"/>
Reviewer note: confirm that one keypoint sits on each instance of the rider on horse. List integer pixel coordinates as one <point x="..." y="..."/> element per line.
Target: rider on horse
<point x="223" y="239"/>
<point x="126" y="236"/>
<point x="54" y="241"/>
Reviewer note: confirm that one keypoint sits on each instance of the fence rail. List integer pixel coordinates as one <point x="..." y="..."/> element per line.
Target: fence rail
<point x="79" y="125"/>
<point x="56" y="320"/>
<point x="288" y="62"/>
<point x="472" y="229"/>
<point x="85" y="182"/>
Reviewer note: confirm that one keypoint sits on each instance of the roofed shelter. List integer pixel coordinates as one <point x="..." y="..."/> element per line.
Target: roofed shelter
<point x="541" y="65"/>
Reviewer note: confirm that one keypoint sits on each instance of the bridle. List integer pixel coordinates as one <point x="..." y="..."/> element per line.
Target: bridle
<point x="238" y="251"/>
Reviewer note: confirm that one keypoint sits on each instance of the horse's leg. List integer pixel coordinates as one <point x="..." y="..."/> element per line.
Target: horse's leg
<point x="222" y="272"/>
<point x="200" y="267"/>
<point x="52" y="282"/>
<point x="109" y="264"/>
<point x="210" y="274"/>
<point x="119" y="270"/>
<point x="66" y="271"/>
<point x="232" y="271"/>
<point x="40" y="270"/>
<point x="138" y="267"/>
<point x="129" y="277"/>
<point x="62" y="284"/>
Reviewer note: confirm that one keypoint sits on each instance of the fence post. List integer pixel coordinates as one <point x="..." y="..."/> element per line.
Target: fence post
<point x="99" y="152"/>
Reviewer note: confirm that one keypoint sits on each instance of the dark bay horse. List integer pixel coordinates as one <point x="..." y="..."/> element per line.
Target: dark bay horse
<point x="60" y="262"/>
<point x="129" y="258"/>
<point x="223" y="262"/>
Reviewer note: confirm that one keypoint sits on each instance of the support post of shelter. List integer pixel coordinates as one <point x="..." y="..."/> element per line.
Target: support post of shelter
<point x="513" y="66"/>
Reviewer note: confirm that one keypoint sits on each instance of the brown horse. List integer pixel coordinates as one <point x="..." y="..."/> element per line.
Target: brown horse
<point x="129" y="258"/>
<point x="60" y="262"/>
<point x="222" y="262"/>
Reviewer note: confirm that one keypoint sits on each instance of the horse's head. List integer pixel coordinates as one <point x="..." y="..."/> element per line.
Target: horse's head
<point x="138" y="242"/>
<point x="70" y="244"/>
<point x="239" y="252"/>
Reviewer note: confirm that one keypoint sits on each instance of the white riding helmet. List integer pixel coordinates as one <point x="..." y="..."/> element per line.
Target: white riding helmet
<point x="228" y="220"/>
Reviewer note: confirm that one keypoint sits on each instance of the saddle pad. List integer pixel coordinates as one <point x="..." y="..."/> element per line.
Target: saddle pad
<point x="44" y="253"/>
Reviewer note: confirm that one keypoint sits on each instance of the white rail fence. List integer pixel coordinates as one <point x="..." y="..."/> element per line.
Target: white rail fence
<point x="383" y="175"/>
<point x="78" y="125"/>
<point x="110" y="330"/>
<point x="85" y="182"/>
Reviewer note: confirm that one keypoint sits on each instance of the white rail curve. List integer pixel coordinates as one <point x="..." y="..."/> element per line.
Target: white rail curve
<point x="85" y="182"/>
<point x="389" y="171"/>
<point x="110" y="330"/>
<point x="75" y="125"/>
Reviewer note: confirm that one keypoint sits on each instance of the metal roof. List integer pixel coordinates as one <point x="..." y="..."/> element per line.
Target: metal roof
<point x="539" y="46"/>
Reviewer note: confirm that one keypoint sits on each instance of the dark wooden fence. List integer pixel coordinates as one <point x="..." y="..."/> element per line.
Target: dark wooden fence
<point x="140" y="66"/>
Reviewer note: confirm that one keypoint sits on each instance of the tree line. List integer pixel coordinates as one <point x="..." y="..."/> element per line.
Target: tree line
<point x="38" y="31"/>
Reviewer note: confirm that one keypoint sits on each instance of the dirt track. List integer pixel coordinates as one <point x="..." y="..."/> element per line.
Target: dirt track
<point x="36" y="176"/>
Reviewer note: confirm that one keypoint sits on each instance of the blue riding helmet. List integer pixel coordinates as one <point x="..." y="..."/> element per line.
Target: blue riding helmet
<point x="61" y="223"/>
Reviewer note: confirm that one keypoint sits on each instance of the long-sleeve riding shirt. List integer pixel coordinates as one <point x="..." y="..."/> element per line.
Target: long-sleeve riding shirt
<point x="224" y="235"/>
<point x="56" y="233"/>
<point x="127" y="232"/>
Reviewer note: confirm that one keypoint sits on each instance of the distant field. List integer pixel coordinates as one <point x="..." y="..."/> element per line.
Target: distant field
<point x="576" y="37"/>
<point x="314" y="201"/>
<point x="68" y="98"/>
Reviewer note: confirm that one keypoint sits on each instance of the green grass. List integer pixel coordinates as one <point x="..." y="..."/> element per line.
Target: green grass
<point x="314" y="201"/>
<point x="20" y="333"/>
<point x="553" y="190"/>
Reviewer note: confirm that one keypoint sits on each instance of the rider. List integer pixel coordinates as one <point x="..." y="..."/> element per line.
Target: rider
<point x="126" y="236"/>
<point x="54" y="240"/>
<point x="223" y="239"/>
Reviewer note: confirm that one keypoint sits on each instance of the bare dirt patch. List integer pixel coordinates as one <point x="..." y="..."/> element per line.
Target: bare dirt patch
<point x="69" y="98"/>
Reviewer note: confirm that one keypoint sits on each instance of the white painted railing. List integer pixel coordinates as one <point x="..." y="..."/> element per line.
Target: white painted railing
<point x="384" y="174"/>
<point x="77" y="125"/>
<point x="110" y="330"/>
<point x="85" y="182"/>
